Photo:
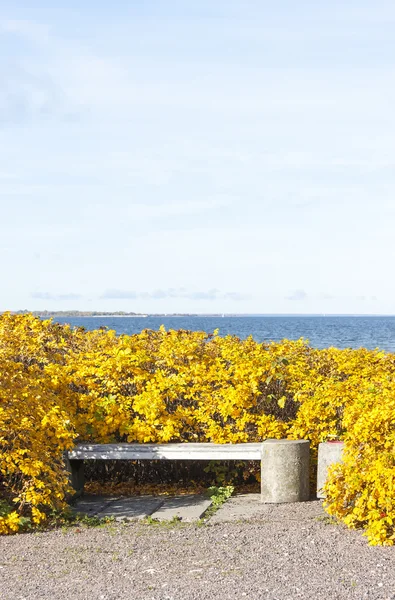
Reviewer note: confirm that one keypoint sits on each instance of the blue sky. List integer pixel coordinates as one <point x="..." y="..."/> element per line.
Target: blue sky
<point x="177" y="156"/>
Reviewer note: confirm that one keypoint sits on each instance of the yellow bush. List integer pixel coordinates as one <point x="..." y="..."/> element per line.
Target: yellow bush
<point x="177" y="385"/>
<point x="61" y="384"/>
<point x="33" y="433"/>
<point x="34" y="430"/>
<point x="361" y="491"/>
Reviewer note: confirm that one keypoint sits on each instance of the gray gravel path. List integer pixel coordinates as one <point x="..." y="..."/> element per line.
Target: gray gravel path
<point x="283" y="552"/>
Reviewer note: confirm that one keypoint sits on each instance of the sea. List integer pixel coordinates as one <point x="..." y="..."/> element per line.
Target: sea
<point x="320" y="331"/>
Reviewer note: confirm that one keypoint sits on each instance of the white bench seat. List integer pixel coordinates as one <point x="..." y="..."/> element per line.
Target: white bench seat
<point x="182" y="451"/>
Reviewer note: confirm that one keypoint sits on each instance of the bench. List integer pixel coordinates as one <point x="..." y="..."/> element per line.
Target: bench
<point x="284" y="463"/>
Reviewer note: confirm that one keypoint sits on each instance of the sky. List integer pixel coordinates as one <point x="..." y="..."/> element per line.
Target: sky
<point x="235" y="156"/>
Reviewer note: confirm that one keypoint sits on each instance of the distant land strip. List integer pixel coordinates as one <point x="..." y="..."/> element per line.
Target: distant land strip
<point x="85" y="313"/>
<point x="119" y="313"/>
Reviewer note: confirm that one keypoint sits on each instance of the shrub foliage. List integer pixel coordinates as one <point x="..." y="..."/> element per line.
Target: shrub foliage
<point x="59" y="385"/>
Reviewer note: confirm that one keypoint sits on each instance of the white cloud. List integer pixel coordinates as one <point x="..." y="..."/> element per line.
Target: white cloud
<point x="160" y="294"/>
<point x="297" y="296"/>
<point x="55" y="297"/>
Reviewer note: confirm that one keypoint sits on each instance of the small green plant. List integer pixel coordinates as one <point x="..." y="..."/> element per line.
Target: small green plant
<point x="164" y="523"/>
<point x="5" y="508"/>
<point x="94" y="521"/>
<point x="151" y="521"/>
<point x="218" y="495"/>
<point x="69" y="518"/>
<point x="61" y="518"/>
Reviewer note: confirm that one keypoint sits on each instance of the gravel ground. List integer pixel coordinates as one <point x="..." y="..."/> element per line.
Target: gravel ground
<point x="285" y="554"/>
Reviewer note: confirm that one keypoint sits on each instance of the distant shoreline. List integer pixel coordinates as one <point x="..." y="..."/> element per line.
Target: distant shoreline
<point x="107" y="316"/>
<point x="111" y="316"/>
<point x="95" y="314"/>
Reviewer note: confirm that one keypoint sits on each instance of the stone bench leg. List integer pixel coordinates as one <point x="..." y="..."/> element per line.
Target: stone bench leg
<point x="329" y="453"/>
<point x="77" y="479"/>
<point x="285" y="471"/>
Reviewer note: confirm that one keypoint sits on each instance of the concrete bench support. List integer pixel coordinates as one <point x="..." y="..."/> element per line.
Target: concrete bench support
<point x="285" y="471"/>
<point x="329" y="453"/>
<point x="77" y="478"/>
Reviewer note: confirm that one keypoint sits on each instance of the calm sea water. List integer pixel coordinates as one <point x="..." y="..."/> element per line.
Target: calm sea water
<point x="322" y="332"/>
